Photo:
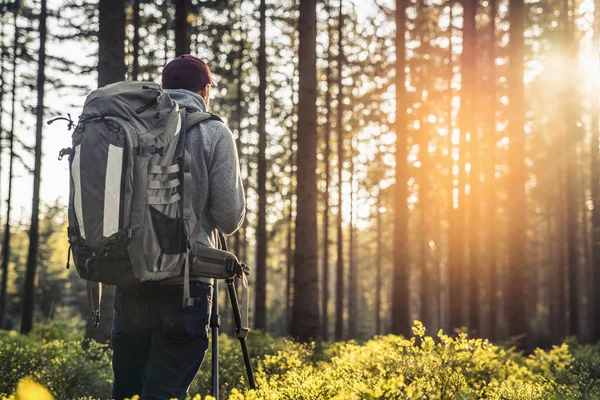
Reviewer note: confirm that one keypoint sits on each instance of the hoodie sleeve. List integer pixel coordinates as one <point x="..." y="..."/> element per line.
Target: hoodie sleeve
<point x="227" y="202"/>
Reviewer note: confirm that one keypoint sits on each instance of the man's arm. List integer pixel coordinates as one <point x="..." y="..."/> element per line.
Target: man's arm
<point x="227" y="203"/>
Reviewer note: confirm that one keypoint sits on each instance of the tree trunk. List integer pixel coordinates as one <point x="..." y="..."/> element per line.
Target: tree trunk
<point x="339" y="275"/>
<point x="28" y="311"/>
<point x="490" y="177"/>
<point x="306" y="324"/>
<point x="559" y="322"/>
<point x="452" y="281"/>
<point x="457" y="272"/>
<point x="516" y="290"/>
<point x="136" y="40"/>
<point x="260" y="312"/>
<point x="289" y="267"/>
<point x="239" y="235"/>
<point x="326" y="156"/>
<point x="290" y="245"/>
<point x="401" y="296"/>
<point x="111" y="42"/>
<point x="3" y="54"/>
<point x="426" y="278"/>
<point x="182" y="29"/>
<point x="469" y="127"/>
<point x="239" y="114"/>
<point x="111" y="68"/>
<point x="571" y="136"/>
<point x="595" y="168"/>
<point x="6" y="237"/>
<point x="379" y="265"/>
<point x="352" y="278"/>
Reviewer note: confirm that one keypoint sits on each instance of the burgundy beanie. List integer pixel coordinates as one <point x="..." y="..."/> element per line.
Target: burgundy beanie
<point x="186" y="72"/>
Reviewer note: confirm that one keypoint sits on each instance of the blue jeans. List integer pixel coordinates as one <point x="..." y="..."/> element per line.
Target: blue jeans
<point x="158" y="346"/>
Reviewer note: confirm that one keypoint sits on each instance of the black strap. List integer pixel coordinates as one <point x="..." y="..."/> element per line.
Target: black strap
<point x="195" y="118"/>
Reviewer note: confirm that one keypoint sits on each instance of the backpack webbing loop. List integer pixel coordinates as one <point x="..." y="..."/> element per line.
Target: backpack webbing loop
<point x="170" y="184"/>
<point x="164" y="169"/>
<point x="158" y="200"/>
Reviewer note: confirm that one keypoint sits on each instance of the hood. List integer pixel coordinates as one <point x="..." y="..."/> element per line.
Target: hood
<point x="186" y="99"/>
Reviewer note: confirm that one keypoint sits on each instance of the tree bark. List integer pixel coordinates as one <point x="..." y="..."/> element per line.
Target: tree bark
<point x="260" y="313"/>
<point x="111" y="68"/>
<point x="401" y="274"/>
<point x="339" y="275"/>
<point x="306" y="324"/>
<point x="326" y="156"/>
<point x="182" y="29"/>
<point x="6" y="237"/>
<point x="516" y="290"/>
<point x="28" y="310"/>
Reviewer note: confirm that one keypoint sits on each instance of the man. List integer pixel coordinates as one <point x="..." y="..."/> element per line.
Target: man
<point x="158" y="345"/>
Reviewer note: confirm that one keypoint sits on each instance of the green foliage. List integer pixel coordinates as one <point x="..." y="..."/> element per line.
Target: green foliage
<point x="232" y="372"/>
<point x="70" y="369"/>
<point x="386" y="367"/>
<point x="424" y="367"/>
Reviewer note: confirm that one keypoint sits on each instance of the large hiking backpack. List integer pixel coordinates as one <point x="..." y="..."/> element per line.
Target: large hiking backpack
<point x="130" y="214"/>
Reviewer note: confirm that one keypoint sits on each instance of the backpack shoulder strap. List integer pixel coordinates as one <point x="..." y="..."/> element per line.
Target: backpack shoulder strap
<point x="196" y="117"/>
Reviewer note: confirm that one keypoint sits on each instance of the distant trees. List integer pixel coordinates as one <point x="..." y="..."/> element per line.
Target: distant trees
<point x="421" y="118"/>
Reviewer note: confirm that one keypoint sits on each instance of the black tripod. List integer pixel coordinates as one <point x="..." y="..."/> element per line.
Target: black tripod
<point x="241" y="332"/>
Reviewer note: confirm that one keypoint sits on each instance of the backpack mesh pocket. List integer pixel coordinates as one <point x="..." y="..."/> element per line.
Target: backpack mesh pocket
<point x="170" y="232"/>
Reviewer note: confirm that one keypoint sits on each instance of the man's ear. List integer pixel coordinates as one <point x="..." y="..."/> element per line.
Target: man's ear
<point x="204" y="92"/>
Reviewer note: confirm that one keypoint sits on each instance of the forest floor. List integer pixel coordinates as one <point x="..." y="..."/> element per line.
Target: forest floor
<point x="386" y="367"/>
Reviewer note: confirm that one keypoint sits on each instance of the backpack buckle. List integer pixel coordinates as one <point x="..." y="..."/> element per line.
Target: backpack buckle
<point x="151" y="150"/>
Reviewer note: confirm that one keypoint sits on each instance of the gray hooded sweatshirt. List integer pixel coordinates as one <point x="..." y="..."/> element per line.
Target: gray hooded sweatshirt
<point x="217" y="193"/>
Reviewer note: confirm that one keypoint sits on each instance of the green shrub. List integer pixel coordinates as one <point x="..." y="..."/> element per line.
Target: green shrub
<point x="69" y="369"/>
<point x="422" y="367"/>
<point x="232" y="371"/>
<point x="387" y="367"/>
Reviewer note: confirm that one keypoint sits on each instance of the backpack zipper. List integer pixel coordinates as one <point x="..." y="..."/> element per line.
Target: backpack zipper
<point x="148" y="106"/>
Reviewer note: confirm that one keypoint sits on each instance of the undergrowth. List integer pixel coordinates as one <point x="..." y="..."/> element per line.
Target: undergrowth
<point x="386" y="367"/>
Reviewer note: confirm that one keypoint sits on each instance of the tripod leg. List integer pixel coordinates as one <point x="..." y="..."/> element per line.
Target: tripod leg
<point x="241" y="334"/>
<point x="214" y="324"/>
